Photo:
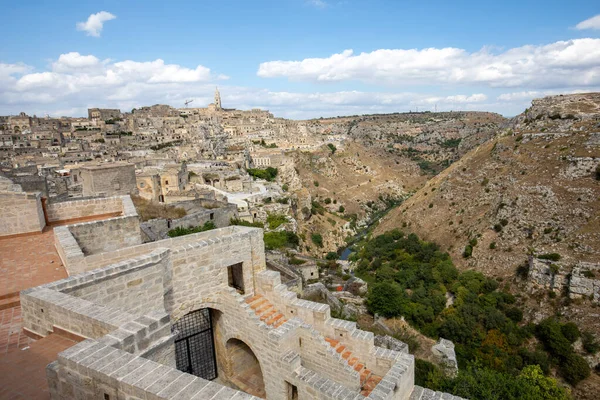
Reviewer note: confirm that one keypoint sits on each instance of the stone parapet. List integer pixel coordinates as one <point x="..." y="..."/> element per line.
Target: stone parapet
<point x="20" y="213"/>
<point x="126" y="309"/>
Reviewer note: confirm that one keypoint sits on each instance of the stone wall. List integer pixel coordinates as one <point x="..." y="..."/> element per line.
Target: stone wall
<point x="69" y="210"/>
<point x="74" y="242"/>
<point x="221" y="217"/>
<point x="136" y="286"/>
<point x="129" y="355"/>
<point x="20" y="212"/>
<point x="107" y="235"/>
<point x="109" y="180"/>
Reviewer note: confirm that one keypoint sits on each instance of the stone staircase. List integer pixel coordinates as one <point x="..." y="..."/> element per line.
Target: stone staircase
<point x="265" y="310"/>
<point x="368" y="380"/>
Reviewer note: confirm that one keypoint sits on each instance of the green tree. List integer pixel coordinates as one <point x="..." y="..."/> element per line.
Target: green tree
<point x="317" y="239"/>
<point x="385" y="299"/>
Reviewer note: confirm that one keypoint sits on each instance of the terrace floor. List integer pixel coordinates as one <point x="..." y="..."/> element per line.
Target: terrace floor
<point x="31" y="260"/>
<point x="27" y="261"/>
<point x="23" y="372"/>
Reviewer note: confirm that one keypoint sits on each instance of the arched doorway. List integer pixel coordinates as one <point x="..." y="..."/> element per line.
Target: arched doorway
<point x="243" y="368"/>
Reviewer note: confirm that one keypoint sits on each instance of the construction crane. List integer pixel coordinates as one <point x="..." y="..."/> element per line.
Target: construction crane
<point x="188" y="102"/>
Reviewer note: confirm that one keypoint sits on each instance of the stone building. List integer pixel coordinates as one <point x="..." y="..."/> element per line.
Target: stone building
<point x="103" y="114"/>
<point x="108" y="179"/>
<point x="155" y="183"/>
<point x="196" y="317"/>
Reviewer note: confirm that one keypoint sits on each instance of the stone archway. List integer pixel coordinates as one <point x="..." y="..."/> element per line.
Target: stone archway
<point x="243" y="368"/>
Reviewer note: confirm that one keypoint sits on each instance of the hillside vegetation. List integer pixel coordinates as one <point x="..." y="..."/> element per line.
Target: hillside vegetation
<point x="532" y="189"/>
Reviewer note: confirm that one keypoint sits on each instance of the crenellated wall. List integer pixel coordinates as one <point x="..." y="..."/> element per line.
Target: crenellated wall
<point x="126" y="305"/>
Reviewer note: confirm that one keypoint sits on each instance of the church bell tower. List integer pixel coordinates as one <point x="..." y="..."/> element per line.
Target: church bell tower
<point x="217" y="99"/>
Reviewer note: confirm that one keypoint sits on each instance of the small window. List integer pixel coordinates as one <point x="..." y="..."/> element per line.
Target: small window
<point x="166" y="182"/>
<point x="235" y="277"/>
<point x="142" y="184"/>
<point x="212" y="216"/>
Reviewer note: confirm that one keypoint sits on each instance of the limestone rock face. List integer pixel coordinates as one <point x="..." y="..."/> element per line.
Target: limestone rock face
<point x="356" y="286"/>
<point x="390" y="343"/>
<point x="350" y="311"/>
<point x="444" y="351"/>
<point x="546" y="274"/>
<point x="303" y="201"/>
<point x="318" y="291"/>
<point x="585" y="281"/>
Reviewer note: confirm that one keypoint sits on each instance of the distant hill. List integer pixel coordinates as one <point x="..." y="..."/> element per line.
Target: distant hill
<point x="532" y="186"/>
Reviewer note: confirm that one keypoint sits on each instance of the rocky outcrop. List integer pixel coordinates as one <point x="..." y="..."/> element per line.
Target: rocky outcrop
<point x="583" y="281"/>
<point x="356" y="286"/>
<point x="318" y="292"/>
<point x="546" y="274"/>
<point x="391" y="343"/>
<point x="443" y="351"/>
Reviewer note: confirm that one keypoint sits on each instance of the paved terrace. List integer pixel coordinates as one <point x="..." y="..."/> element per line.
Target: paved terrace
<point x="26" y="261"/>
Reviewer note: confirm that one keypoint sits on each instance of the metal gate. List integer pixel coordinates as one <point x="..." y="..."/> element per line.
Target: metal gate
<point x="194" y="346"/>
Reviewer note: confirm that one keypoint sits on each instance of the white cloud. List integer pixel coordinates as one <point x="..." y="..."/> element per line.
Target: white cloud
<point x="590" y="23"/>
<point x="560" y="64"/>
<point x="95" y="22"/>
<point x="317" y="3"/>
<point x="75" y="81"/>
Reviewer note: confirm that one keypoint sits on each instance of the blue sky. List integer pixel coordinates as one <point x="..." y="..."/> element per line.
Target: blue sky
<point x="292" y="56"/>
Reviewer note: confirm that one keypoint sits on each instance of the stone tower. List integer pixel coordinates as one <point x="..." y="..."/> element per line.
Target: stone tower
<point x="217" y="99"/>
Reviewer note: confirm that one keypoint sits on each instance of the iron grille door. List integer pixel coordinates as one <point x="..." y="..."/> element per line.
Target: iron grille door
<point x="194" y="346"/>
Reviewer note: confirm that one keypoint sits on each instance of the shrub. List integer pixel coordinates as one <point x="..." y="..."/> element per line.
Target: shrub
<point x="341" y="209"/>
<point x="332" y="255"/>
<point x="574" y="369"/>
<point x="285" y="187"/>
<point x="235" y="221"/>
<point x="590" y="344"/>
<point x="278" y="240"/>
<point x="549" y="256"/>
<point x="598" y="172"/>
<point x="316" y="183"/>
<point x="515" y="314"/>
<point x="549" y="332"/>
<point x="327" y="201"/>
<point x="493" y="245"/>
<point x="468" y="251"/>
<point x="296" y="261"/>
<point x="332" y="148"/>
<point x="423" y="369"/>
<point x="498" y="228"/>
<point x="267" y="174"/>
<point x="180" y="231"/>
<point x="276" y="220"/>
<point x="317" y="239"/>
<point x="570" y="331"/>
